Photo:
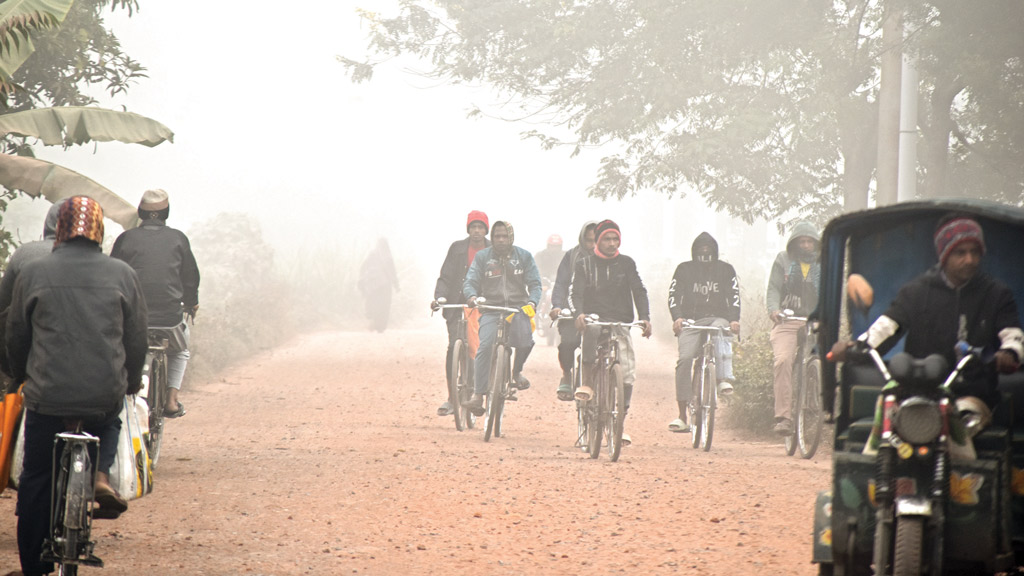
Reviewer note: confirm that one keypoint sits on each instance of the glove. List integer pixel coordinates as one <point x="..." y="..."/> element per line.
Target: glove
<point x="530" y="313"/>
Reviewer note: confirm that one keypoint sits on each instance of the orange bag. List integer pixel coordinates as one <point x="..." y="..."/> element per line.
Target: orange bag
<point x="10" y="417"/>
<point x="472" y="330"/>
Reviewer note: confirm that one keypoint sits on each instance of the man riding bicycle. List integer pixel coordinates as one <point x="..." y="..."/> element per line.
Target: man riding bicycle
<point x="707" y="291"/>
<point x="506" y="275"/>
<point x="449" y="286"/>
<point x="607" y="283"/>
<point x="792" y="285"/>
<point x="76" y="336"/>
<point x="162" y="257"/>
<point x="569" y="337"/>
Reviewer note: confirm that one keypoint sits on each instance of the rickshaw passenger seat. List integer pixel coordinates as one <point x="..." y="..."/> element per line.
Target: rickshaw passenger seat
<point x="864" y="382"/>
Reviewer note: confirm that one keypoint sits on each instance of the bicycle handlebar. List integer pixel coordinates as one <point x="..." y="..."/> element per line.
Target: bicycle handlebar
<point x="691" y="325"/>
<point x="787" y="314"/>
<point x="592" y="320"/>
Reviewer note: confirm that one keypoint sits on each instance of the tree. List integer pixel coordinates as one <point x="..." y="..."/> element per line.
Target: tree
<point x="51" y="53"/>
<point x="762" y="107"/>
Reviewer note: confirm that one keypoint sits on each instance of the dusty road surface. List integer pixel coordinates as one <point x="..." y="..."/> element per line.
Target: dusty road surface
<point x="324" y="456"/>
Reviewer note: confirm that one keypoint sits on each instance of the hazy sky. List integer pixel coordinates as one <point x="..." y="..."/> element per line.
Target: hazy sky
<point x="266" y="122"/>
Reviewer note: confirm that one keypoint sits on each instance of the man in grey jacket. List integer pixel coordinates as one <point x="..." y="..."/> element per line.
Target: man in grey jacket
<point x="76" y="335"/>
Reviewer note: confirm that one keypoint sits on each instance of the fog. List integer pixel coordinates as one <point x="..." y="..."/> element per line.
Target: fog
<point x="267" y="123"/>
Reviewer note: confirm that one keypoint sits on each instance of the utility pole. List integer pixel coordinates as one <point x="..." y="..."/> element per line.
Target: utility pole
<point x="887" y="166"/>
<point x="908" y="132"/>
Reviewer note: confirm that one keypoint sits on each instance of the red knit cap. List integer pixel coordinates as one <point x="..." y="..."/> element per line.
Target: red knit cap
<point x="80" y="216"/>
<point x="478" y="216"/>
<point x="604" y="227"/>
<point x="955" y="232"/>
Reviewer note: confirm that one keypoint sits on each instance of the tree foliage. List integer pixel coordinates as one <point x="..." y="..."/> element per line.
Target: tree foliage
<point x="760" y="106"/>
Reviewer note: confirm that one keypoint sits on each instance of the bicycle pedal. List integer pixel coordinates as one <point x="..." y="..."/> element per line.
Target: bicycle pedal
<point x="512" y="397"/>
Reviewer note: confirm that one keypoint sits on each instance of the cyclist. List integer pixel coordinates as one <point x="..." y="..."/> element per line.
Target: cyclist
<point x="76" y="335"/>
<point x="704" y="289"/>
<point x="607" y="283"/>
<point x="162" y="257"/>
<point x="550" y="257"/>
<point x="570" y="337"/>
<point x="792" y="285"/>
<point x="506" y="275"/>
<point x="952" y="302"/>
<point x="449" y="286"/>
<point x="25" y="253"/>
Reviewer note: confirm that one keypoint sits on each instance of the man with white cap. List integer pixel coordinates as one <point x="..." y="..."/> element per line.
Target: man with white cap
<point x="162" y="257"/>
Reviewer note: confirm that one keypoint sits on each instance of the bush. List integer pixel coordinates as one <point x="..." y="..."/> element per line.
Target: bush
<point x="752" y="406"/>
<point x="243" y="302"/>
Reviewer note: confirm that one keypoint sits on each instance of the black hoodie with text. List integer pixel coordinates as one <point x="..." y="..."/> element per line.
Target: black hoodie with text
<point x="704" y="289"/>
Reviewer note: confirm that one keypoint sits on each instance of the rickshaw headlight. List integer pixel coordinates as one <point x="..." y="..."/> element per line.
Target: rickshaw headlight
<point x="918" y="420"/>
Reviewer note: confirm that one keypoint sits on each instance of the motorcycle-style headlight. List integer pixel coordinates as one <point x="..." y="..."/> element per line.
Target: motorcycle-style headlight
<point x="918" y="420"/>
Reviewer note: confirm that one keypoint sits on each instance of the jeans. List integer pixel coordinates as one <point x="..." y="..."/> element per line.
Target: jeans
<point x="35" y="482"/>
<point x="488" y="335"/>
<point x="567" y="345"/>
<point x="690" y="342"/>
<point x="784" y="341"/>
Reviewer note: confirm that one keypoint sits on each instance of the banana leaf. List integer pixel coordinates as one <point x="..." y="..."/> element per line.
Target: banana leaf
<point x="70" y="125"/>
<point x="17" y="19"/>
<point x="55" y="183"/>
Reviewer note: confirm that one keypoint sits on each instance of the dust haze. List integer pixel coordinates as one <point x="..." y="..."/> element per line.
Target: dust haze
<point x="267" y="124"/>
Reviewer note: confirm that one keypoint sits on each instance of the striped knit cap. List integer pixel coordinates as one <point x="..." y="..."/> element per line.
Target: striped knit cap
<point x="80" y="216"/>
<point x="955" y="232"/>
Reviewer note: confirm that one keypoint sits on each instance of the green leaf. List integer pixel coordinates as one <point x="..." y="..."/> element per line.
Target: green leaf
<point x="70" y="125"/>
<point x="19" y="18"/>
<point x="55" y="183"/>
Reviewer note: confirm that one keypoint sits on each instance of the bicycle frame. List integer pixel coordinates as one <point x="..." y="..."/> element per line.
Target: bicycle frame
<point x="154" y="374"/>
<point x="500" y="388"/>
<point x="604" y="414"/>
<point x="461" y="370"/>
<point x="71" y="500"/>
<point x="705" y="393"/>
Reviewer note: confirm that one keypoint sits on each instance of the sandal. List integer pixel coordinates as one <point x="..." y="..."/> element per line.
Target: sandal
<point x="564" y="394"/>
<point x="177" y="413"/>
<point x="678" y="425"/>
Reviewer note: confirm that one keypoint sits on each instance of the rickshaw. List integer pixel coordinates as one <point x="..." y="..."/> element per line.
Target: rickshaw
<point x="979" y="526"/>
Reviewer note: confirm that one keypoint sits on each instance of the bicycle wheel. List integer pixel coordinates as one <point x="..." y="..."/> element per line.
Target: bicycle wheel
<point x="810" y="416"/>
<point x="695" y="408"/>
<point x="506" y="383"/>
<point x="596" y="409"/>
<point x="582" y="422"/>
<point x="455" y="381"/>
<point x="617" y="414"/>
<point x="495" y="395"/>
<point x="155" y="399"/>
<point x="790" y="440"/>
<point x="709" y="402"/>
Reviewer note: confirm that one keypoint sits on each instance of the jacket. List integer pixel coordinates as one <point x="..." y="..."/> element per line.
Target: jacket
<point x="453" y="275"/>
<point x="162" y="257"/>
<point x="704" y="289"/>
<point x="609" y="288"/>
<point x="788" y="288"/>
<point x="76" y="332"/>
<point x="563" y="278"/>
<point x="930" y="313"/>
<point x="512" y="281"/>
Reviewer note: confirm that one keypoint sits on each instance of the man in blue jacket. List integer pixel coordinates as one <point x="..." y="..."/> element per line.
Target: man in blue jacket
<point x="506" y="275"/>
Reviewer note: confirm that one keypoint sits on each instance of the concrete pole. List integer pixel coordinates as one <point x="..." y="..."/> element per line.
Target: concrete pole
<point x="908" y="131"/>
<point x="887" y="167"/>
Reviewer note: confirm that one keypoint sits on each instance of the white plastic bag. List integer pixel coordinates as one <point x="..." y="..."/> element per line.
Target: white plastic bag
<point x="132" y="472"/>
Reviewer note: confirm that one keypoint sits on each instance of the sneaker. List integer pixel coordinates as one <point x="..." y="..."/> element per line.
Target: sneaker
<point x="784" y="427"/>
<point x="724" y="388"/>
<point x="584" y="393"/>
<point x="475" y="405"/>
<point x="446" y="409"/>
<point x="519" y="381"/>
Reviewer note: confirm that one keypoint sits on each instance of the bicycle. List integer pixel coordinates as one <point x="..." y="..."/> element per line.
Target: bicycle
<point x="705" y="390"/>
<point x="576" y="377"/>
<point x="154" y="388"/>
<point x="500" y="386"/>
<point x="460" y="384"/>
<point x="71" y="502"/>
<point x="808" y="416"/>
<point x="605" y="413"/>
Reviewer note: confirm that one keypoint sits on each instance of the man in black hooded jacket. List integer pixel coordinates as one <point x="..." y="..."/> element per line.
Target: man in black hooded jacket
<point x="705" y="290"/>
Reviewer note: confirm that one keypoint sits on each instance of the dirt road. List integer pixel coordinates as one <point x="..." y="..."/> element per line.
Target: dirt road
<point x="324" y="457"/>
